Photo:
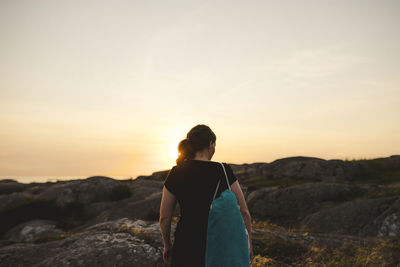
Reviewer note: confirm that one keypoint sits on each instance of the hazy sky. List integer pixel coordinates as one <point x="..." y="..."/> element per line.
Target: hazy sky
<point x="111" y="87"/>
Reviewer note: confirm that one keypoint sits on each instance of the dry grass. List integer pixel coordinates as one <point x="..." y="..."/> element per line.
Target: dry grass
<point x="50" y="237"/>
<point x="277" y="247"/>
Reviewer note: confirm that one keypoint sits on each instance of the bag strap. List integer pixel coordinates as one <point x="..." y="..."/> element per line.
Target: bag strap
<point x="226" y="176"/>
<point x="227" y="182"/>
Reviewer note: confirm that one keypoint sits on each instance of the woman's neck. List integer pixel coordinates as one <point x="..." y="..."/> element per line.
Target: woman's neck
<point x="204" y="158"/>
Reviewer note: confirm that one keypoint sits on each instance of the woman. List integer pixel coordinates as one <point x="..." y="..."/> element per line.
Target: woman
<point x="192" y="183"/>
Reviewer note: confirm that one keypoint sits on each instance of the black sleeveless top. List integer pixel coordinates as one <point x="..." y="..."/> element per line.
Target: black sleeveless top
<point x="193" y="183"/>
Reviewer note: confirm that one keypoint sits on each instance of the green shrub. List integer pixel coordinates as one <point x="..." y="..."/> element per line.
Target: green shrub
<point x="120" y="192"/>
<point x="25" y="211"/>
<point x="8" y="186"/>
<point x="153" y="215"/>
<point x="71" y="215"/>
<point x="66" y="216"/>
<point x="261" y="181"/>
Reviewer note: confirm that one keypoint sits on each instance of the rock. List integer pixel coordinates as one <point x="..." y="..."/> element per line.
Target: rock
<point x="287" y="206"/>
<point x="156" y="176"/>
<point x="143" y="188"/>
<point x="115" y="243"/>
<point x="14" y="199"/>
<point x="364" y="217"/>
<point x="31" y="230"/>
<point x="310" y="168"/>
<point x="8" y="186"/>
<point x="388" y="223"/>
<point x="92" y="210"/>
<point x="390" y="226"/>
<point x="146" y="209"/>
<point x="92" y="189"/>
<point x="244" y="171"/>
<point x="284" y="206"/>
<point x="144" y="203"/>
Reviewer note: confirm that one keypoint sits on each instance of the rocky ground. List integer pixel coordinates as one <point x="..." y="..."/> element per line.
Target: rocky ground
<point x="297" y="204"/>
<point x="121" y="242"/>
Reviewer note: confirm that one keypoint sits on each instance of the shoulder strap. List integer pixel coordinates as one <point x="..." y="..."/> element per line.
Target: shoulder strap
<point x="226" y="176"/>
<point x="227" y="182"/>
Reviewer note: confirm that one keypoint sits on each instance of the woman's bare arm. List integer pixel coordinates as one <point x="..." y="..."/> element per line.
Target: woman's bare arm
<point x="235" y="187"/>
<point x="167" y="207"/>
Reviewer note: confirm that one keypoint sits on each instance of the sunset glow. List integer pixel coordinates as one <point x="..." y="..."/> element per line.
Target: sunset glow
<point x="106" y="88"/>
<point x="173" y="149"/>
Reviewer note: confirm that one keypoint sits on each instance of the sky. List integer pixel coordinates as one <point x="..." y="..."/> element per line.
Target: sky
<point x="111" y="87"/>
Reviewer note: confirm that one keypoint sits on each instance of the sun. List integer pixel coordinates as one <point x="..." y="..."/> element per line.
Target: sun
<point x="173" y="135"/>
<point x="173" y="149"/>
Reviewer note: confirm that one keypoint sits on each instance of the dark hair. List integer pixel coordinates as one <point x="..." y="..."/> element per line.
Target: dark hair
<point x="198" y="138"/>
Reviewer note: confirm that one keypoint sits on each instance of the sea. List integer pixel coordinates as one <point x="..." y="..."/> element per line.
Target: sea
<point x="44" y="179"/>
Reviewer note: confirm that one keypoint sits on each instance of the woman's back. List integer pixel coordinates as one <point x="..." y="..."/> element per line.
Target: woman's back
<point x="193" y="184"/>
